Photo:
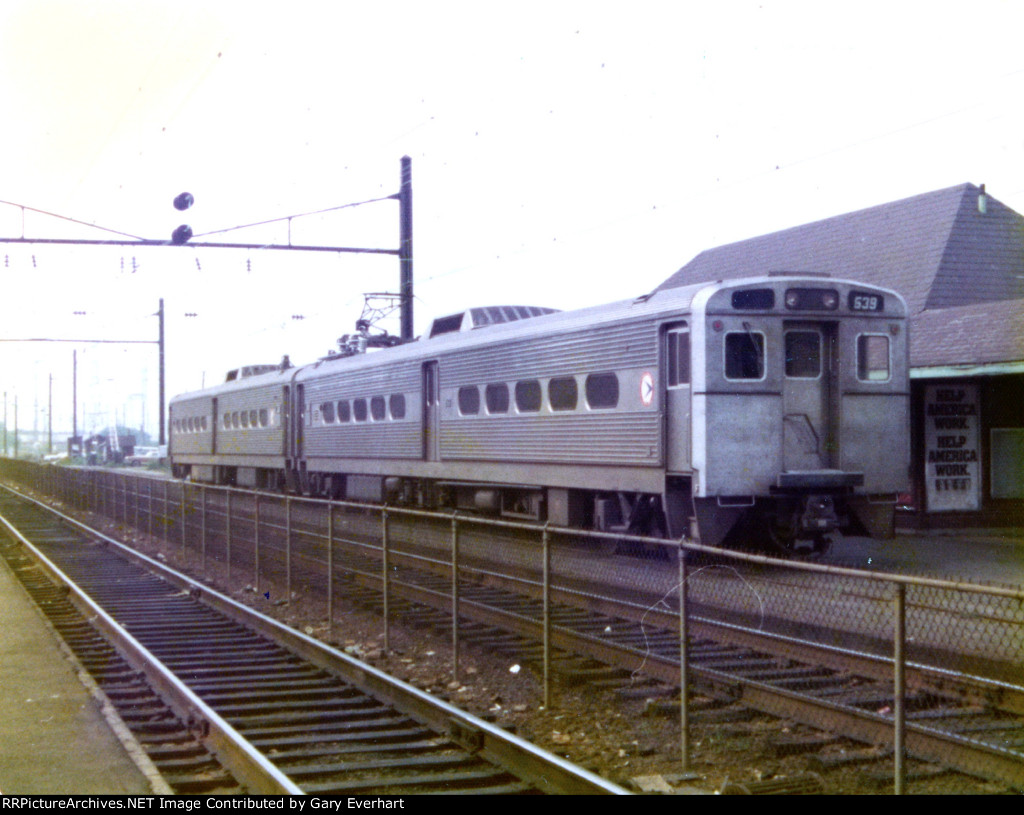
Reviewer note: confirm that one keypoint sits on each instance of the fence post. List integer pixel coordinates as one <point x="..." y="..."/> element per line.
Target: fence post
<point x="455" y="598"/>
<point x="899" y="688"/>
<point x="288" y="549"/>
<point x="546" y="622"/>
<point x="166" y="516"/>
<point x="184" y="519"/>
<point x="386" y="568"/>
<point x="684" y="666"/>
<point x="227" y="533"/>
<point x="202" y="528"/>
<point x="256" y="542"/>
<point x="149" y="508"/>
<point x="330" y="569"/>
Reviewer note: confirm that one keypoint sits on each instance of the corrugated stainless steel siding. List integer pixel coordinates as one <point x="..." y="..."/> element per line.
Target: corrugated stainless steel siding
<point x="387" y="439"/>
<point x="255" y="441"/>
<point x="387" y="378"/>
<point x="602" y="349"/>
<point x="186" y="443"/>
<point x="612" y="438"/>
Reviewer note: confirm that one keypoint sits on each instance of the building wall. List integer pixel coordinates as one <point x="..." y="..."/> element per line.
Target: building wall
<point x="967" y="452"/>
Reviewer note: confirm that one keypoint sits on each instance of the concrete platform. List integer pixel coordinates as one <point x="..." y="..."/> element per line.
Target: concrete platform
<point x="54" y="736"/>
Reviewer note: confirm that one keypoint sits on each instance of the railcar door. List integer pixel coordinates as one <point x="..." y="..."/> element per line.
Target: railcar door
<point x="431" y="412"/>
<point x="809" y="412"/>
<point x="299" y="419"/>
<point x="677" y="397"/>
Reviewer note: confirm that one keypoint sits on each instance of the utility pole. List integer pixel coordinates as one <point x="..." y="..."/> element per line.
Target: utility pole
<point x="405" y="248"/>
<point x="183" y="236"/>
<point x="163" y="437"/>
<point x="74" y="394"/>
<point x="49" y="419"/>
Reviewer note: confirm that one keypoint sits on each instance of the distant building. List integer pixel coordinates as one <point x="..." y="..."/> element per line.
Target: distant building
<point x="957" y="256"/>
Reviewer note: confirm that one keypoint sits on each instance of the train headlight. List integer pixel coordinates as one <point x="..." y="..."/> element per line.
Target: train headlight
<point x="812" y="299"/>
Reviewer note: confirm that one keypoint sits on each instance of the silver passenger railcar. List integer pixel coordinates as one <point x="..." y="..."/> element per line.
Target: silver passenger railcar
<point x="774" y="407"/>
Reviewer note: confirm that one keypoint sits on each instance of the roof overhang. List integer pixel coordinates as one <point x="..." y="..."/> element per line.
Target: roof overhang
<point x="965" y="370"/>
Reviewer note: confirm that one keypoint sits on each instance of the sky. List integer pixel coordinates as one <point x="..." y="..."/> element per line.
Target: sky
<point x="564" y="154"/>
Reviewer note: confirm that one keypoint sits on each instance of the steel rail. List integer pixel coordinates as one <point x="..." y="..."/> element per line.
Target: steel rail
<point x="248" y="765"/>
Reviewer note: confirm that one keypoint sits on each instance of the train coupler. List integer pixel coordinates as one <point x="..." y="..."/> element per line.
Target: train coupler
<point x="818" y="515"/>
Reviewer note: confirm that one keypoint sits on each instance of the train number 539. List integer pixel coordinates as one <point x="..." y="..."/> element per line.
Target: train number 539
<point x="865" y="302"/>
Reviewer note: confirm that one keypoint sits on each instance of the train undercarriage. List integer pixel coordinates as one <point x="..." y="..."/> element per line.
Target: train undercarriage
<point x="791" y="524"/>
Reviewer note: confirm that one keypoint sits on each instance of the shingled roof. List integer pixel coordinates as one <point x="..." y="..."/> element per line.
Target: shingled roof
<point x="937" y="250"/>
<point x="941" y="250"/>
<point x="983" y="334"/>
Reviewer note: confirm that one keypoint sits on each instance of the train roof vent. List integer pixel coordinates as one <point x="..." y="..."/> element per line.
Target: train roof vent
<point x="250" y="370"/>
<point x="486" y="315"/>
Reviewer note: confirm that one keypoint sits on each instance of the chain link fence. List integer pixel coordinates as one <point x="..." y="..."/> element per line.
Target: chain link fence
<point x="924" y="667"/>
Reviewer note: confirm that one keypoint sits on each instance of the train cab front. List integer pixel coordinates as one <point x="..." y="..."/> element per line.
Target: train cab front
<point x="800" y="408"/>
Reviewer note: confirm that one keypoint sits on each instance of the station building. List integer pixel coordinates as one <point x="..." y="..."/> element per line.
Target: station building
<point x="957" y="257"/>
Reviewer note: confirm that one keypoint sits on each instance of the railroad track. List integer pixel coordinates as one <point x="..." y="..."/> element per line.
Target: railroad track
<point x="959" y="722"/>
<point x="225" y="700"/>
<point x="963" y="722"/>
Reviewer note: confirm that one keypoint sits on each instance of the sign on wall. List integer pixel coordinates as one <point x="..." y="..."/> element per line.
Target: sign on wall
<point x="952" y="452"/>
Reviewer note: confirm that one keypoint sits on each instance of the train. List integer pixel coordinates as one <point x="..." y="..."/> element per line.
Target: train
<point x="773" y="408"/>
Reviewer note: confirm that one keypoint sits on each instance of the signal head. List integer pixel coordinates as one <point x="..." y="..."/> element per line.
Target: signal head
<point x="181" y="235"/>
<point x="183" y="201"/>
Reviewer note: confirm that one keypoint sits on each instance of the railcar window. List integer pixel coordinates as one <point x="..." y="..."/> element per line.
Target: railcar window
<point x="602" y="390"/>
<point x="327" y="411"/>
<point x="873" y="358"/>
<point x="678" y="348"/>
<point x="359" y="409"/>
<point x="754" y="298"/>
<point x="803" y="354"/>
<point x="264" y="418"/>
<point x="245" y="418"/>
<point x="469" y="400"/>
<point x="378" y="409"/>
<point x="253" y="418"/>
<point x="344" y="411"/>
<point x="496" y="397"/>
<point x="528" y="396"/>
<point x="226" y="421"/>
<point x="744" y="355"/>
<point x="563" y="393"/>
<point x="396" y="403"/>
<point x="234" y="420"/>
<point x="203" y="424"/>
